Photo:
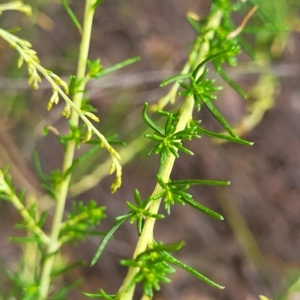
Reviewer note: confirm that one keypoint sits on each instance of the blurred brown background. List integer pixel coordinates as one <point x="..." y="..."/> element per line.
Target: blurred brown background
<point x="256" y="250"/>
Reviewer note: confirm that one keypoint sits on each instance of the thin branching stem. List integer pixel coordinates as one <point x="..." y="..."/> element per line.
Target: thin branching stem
<point x="29" y="55"/>
<point x="193" y="60"/>
<point x="69" y="153"/>
<point x="186" y="110"/>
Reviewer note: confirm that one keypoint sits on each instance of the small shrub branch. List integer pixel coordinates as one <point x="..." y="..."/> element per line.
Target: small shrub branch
<point x="185" y="112"/>
<point x="69" y="153"/>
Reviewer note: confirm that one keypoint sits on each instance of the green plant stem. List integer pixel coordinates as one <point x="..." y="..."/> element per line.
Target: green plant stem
<point x="185" y="111"/>
<point x="15" y="42"/>
<point x="69" y="154"/>
<point x="193" y="60"/>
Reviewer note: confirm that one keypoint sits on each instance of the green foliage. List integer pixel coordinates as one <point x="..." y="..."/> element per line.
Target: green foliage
<point x="218" y="43"/>
<point x="65" y="290"/>
<point x="30" y="221"/>
<point x="23" y="289"/>
<point x="136" y="214"/>
<point x="71" y="15"/>
<point x="47" y="181"/>
<point x="139" y="212"/>
<point x="168" y="140"/>
<point x="201" y="88"/>
<point x="95" y="69"/>
<point x="101" y="295"/>
<point x="174" y="192"/>
<point x="153" y="269"/>
<point x="81" y="220"/>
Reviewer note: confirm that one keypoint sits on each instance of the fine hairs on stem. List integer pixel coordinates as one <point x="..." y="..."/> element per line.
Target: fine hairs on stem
<point x="217" y="43"/>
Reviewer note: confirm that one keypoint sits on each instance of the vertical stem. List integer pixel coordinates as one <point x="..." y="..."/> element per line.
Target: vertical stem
<point x="62" y="191"/>
<point x="186" y="110"/>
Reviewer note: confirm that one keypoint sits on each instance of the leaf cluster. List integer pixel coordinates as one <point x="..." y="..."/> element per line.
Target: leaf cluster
<point x="81" y="221"/>
<point x="137" y="213"/>
<point x="200" y="88"/>
<point x="168" y="140"/>
<point x="175" y="192"/>
<point x="22" y="289"/>
<point x="154" y="266"/>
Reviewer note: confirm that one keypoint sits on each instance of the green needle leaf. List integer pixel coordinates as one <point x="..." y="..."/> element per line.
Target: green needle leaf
<point x="231" y="83"/>
<point x="150" y="123"/>
<point x="185" y="150"/>
<point x="223" y="137"/>
<point x="101" y="295"/>
<point x="5" y="197"/>
<point x="180" y="77"/>
<point x="205" y="61"/>
<point x="71" y="14"/>
<point x="98" y="2"/>
<point x="72" y="85"/>
<point x="195" y="24"/>
<point x="118" y="66"/>
<point x="49" y="190"/>
<point x="61" y="293"/>
<point x="247" y="47"/>
<point x="219" y="117"/>
<point x="203" y="208"/>
<point x="38" y="168"/>
<point x="198" y="182"/>
<point x="82" y="157"/>
<point x="175" y="78"/>
<point x="68" y="268"/>
<point x="108" y="236"/>
<point x="192" y="271"/>
<point x="160" y="248"/>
